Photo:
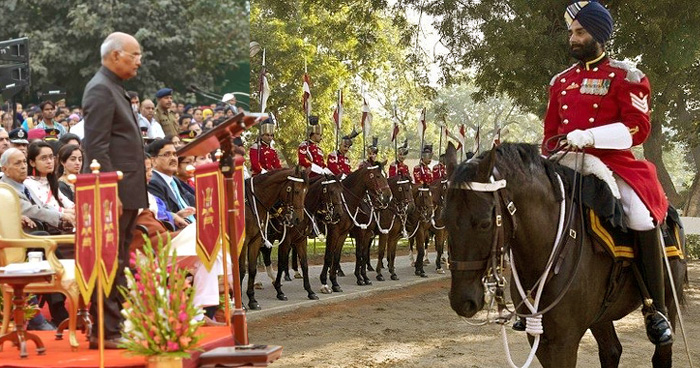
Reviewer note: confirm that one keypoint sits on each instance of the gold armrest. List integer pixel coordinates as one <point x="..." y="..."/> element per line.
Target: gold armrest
<point x="48" y="244"/>
<point x="59" y="239"/>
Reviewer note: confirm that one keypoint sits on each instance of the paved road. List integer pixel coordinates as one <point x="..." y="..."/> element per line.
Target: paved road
<point x="297" y="296"/>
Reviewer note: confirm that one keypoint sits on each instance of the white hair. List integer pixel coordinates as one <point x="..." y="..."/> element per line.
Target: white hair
<point x="6" y="156"/>
<point x="112" y="43"/>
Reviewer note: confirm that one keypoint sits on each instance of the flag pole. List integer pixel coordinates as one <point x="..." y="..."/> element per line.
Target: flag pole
<point x="306" y="112"/>
<point x="442" y="131"/>
<point x="364" y="131"/>
<point x="422" y="133"/>
<point x="262" y="87"/>
<point x="337" y="127"/>
<point x="396" y="139"/>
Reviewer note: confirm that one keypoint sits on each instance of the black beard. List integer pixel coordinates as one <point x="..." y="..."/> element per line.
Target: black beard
<point x="585" y="52"/>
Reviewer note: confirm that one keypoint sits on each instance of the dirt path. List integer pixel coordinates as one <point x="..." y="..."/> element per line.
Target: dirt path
<point x="415" y="327"/>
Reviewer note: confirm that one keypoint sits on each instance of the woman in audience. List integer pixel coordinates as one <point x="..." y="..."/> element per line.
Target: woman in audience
<point x="42" y="178"/>
<point x="70" y="159"/>
<point x="175" y="139"/>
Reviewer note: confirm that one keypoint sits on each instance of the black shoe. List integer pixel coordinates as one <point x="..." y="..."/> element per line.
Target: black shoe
<point x="658" y="329"/>
<point x="518" y="325"/>
<point x="109" y="344"/>
<point x="44" y="325"/>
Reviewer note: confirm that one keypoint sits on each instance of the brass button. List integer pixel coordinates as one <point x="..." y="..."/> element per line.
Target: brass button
<point x="566" y="121"/>
<point x="611" y="75"/>
<point x="565" y="107"/>
<point x="595" y="106"/>
<point x="563" y="93"/>
<point x="591" y="120"/>
<point x="563" y="80"/>
<point x="578" y="70"/>
<point x="595" y="69"/>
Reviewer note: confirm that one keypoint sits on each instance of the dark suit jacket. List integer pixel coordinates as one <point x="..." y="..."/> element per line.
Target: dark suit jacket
<point x="159" y="188"/>
<point x="113" y="138"/>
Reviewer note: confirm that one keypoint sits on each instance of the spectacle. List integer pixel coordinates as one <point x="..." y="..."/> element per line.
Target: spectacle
<point x="133" y="56"/>
<point x="168" y="154"/>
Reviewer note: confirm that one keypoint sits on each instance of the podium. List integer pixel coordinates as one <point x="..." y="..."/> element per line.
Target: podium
<point x="221" y="137"/>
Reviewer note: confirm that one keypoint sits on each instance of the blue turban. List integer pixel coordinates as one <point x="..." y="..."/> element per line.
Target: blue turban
<point x="593" y="17"/>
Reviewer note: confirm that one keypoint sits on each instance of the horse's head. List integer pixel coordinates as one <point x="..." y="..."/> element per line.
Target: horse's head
<point x="377" y="186"/>
<point x="423" y="199"/>
<point x="471" y="226"/>
<point x="293" y="194"/>
<point x="439" y="190"/>
<point x="331" y="206"/>
<point x="400" y="187"/>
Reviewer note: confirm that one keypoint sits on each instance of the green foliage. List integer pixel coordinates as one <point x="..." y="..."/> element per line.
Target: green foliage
<point x="692" y="246"/>
<point x="183" y="41"/>
<point x="158" y="309"/>
<point x="359" y="46"/>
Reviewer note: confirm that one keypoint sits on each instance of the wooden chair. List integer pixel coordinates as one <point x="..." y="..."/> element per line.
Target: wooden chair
<point x="13" y="247"/>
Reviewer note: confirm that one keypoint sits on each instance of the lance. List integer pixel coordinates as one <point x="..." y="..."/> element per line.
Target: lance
<point x="422" y="134"/>
<point x="396" y="138"/>
<point x="364" y="131"/>
<point x="442" y="127"/>
<point x="337" y="126"/>
<point x="262" y="81"/>
<point x="306" y="110"/>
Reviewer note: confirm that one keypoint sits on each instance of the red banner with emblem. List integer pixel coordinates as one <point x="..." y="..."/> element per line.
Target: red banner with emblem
<point x="109" y="225"/>
<point x="210" y="206"/>
<point x="239" y="202"/>
<point x="86" y="215"/>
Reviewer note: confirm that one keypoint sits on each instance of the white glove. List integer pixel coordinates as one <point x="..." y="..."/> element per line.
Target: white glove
<point x="343" y="176"/>
<point x="327" y="171"/>
<point x="580" y="138"/>
<point x="263" y="171"/>
<point x="317" y="169"/>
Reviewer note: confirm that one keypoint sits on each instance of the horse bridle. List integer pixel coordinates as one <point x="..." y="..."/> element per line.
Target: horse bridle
<point x="289" y="209"/>
<point x="424" y="215"/>
<point x="327" y="207"/>
<point x="494" y="263"/>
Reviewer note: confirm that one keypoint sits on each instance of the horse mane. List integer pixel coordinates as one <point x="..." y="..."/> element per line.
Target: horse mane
<point x="520" y="162"/>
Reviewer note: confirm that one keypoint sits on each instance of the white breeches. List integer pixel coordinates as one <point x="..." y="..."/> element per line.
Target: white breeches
<point x="638" y="215"/>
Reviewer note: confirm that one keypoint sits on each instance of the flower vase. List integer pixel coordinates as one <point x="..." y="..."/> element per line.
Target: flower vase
<point x="163" y="361"/>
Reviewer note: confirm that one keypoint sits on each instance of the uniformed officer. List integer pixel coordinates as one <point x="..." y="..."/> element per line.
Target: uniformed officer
<point x="422" y="173"/>
<point x="187" y="136"/>
<point x="372" y="151"/>
<point x="18" y="139"/>
<point x="309" y="153"/>
<point x="603" y="105"/>
<point x="263" y="157"/>
<point x="439" y="169"/>
<point x="398" y="167"/>
<point x="163" y="115"/>
<point x="338" y="161"/>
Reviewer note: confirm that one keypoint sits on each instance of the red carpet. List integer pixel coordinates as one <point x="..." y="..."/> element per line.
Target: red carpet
<point x="59" y="355"/>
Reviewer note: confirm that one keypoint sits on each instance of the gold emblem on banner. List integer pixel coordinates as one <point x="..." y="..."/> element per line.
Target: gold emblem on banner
<point x="109" y="220"/>
<point x="208" y="211"/>
<point x="86" y="233"/>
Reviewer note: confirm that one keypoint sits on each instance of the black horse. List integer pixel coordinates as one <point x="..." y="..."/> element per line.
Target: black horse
<point x="482" y="226"/>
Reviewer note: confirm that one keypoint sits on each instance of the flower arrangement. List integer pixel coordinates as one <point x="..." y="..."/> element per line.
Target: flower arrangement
<point x="158" y="311"/>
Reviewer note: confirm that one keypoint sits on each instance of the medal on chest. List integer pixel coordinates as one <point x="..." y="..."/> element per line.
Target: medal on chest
<point x="595" y="86"/>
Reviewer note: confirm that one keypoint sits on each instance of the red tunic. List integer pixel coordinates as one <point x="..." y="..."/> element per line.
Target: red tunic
<point x="439" y="171"/>
<point x="262" y="156"/>
<point x="338" y="163"/>
<point x="399" y="168"/>
<point x="606" y="92"/>
<point x="422" y="174"/>
<point x="308" y="153"/>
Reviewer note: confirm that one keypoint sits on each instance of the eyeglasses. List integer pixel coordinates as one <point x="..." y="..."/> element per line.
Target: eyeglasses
<point x="167" y="155"/>
<point x="133" y="56"/>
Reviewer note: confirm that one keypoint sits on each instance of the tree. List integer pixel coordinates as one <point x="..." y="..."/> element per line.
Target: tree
<point x="183" y="41"/>
<point x="360" y="46"/>
<point x="514" y="47"/>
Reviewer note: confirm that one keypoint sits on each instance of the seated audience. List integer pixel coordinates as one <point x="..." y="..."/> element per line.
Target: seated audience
<point x="70" y="160"/>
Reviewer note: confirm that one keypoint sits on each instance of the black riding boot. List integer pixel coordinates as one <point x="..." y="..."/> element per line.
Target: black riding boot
<point x="651" y="266"/>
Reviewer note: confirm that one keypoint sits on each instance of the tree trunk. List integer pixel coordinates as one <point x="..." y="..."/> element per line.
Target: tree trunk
<point x="692" y="204"/>
<point x="654" y="153"/>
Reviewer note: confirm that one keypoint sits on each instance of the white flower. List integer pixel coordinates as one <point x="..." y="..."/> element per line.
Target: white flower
<point x="128" y="325"/>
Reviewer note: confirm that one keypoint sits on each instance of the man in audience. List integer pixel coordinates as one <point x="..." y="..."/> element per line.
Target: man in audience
<point x="18" y="139"/>
<point x="4" y="140"/>
<point x="166" y="186"/>
<point x="48" y="112"/>
<point x="147" y="120"/>
<point x="163" y="115"/>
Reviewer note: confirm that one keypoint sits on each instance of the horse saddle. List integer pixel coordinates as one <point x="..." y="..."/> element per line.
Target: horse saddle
<point x="603" y="213"/>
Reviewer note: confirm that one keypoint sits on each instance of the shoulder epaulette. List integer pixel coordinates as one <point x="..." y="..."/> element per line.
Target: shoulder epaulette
<point x="634" y="75"/>
<point x="554" y="78"/>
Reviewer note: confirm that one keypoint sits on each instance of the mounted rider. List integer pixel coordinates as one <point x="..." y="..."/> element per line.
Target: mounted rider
<point x="439" y="169"/>
<point x="603" y="105"/>
<point x="372" y="151"/>
<point x="338" y="161"/>
<point x="422" y="174"/>
<point x="398" y="167"/>
<point x="263" y="157"/>
<point x="309" y="153"/>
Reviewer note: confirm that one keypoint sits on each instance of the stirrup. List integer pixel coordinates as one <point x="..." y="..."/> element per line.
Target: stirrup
<point x="658" y="328"/>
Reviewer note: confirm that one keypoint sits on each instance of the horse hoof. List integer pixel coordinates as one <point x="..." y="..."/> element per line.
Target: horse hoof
<point x="440" y="271"/>
<point x="380" y="277"/>
<point x="426" y="261"/>
<point x="368" y="282"/>
<point x="313" y="296"/>
<point x="258" y="286"/>
<point x="337" y="289"/>
<point x="254" y="306"/>
<point x="394" y="277"/>
<point x="281" y="297"/>
<point x="413" y="264"/>
<point x="287" y="278"/>
<point x="297" y="275"/>
<point x="361" y="282"/>
<point x="326" y="290"/>
<point x="370" y="268"/>
<point x="421" y="273"/>
<point x="340" y="273"/>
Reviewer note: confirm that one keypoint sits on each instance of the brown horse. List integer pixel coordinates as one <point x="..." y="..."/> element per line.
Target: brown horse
<point x="419" y="223"/>
<point x="364" y="191"/>
<point x="589" y="291"/>
<point x="438" y="190"/>
<point x="323" y="207"/>
<point x="391" y="223"/>
<point x="279" y="193"/>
